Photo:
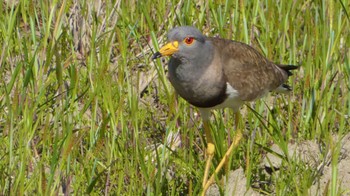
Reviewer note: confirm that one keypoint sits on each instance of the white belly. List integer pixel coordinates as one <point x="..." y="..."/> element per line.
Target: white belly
<point x="232" y="101"/>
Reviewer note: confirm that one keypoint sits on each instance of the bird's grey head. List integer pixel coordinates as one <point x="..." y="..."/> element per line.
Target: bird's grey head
<point x="180" y="33"/>
<point x="190" y="40"/>
<point x="185" y="43"/>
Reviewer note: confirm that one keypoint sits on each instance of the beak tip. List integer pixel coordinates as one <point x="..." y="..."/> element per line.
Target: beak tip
<point x="156" y="55"/>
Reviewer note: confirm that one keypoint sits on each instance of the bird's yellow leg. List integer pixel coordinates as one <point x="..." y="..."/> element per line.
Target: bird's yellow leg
<point x="210" y="151"/>
<point x="234" y="144"/>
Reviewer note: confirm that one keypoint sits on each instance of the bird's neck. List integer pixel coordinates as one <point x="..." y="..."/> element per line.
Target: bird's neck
<point x="192" y="67"/>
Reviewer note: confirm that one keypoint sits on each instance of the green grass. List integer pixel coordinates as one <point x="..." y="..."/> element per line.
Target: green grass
<point x="88" y="119"/>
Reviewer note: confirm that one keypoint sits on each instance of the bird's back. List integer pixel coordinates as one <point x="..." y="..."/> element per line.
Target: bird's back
<point x="247" y="71"/>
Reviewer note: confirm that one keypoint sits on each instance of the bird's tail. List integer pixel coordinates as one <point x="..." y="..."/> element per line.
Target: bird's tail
<point x="288" y="68"/>
<point x="285" y="88"/>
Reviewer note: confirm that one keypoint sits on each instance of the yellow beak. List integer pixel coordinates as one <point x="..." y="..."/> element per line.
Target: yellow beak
<point x="167" y="50"/>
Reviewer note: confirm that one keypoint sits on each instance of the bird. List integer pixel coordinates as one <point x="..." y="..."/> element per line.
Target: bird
<point x="214" y="73"/>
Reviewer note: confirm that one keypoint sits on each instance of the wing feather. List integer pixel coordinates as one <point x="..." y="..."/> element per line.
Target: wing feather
<point x="247" y="71"/>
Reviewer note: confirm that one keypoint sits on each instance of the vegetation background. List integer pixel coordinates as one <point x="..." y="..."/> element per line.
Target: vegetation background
<point x="84" y="110"/>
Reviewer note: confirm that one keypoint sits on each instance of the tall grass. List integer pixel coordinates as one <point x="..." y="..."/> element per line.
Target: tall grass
<point x="85" y="110"/>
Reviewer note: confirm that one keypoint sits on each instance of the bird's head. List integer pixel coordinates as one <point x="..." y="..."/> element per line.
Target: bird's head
<point x="184" y="42"/>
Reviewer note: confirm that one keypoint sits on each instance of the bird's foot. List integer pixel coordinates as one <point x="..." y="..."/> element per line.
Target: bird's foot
<point x="210" y="155"/>
<point x="234" y="144"/>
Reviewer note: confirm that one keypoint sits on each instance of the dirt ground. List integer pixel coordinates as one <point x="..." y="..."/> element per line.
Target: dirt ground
<point x="309" y="152"/>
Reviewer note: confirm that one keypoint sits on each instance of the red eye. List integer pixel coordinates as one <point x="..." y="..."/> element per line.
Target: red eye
<point x="189" y="40"/>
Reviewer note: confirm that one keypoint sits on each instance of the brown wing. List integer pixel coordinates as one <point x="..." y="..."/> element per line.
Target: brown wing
<point x="247" y="71"/>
